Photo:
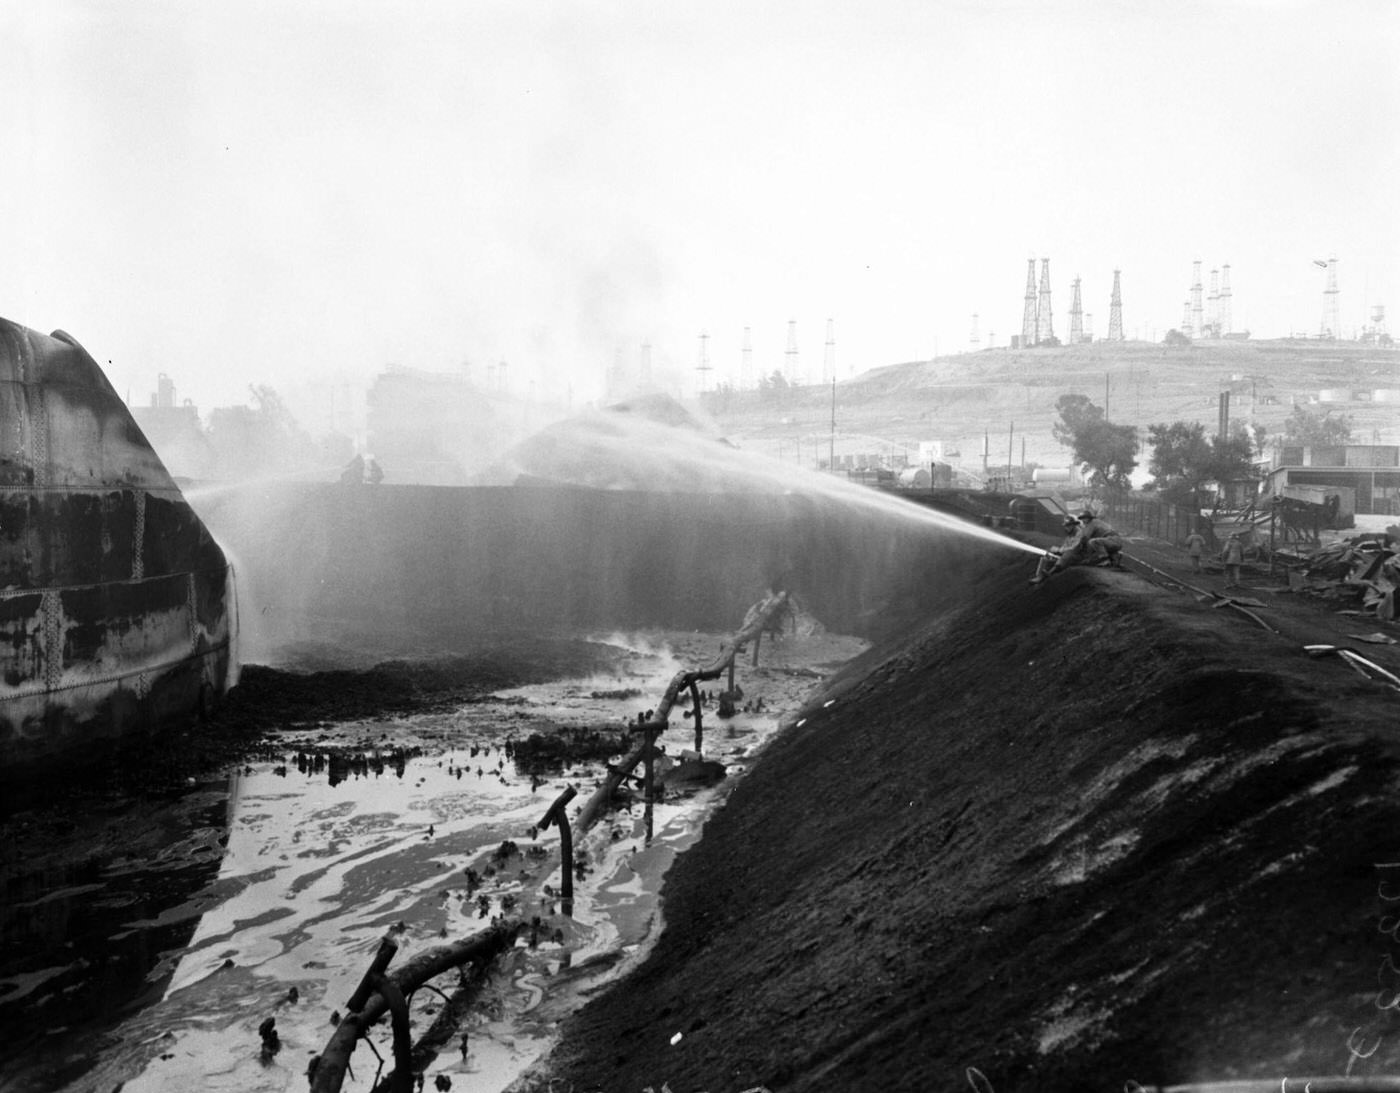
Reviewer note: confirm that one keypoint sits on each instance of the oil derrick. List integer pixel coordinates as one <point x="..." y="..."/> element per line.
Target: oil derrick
<point x="1198" y="318"/>
<point x="829" y="356"/>
<point x="1115" y="310"/>
<point x="1213" y="310"/>
<point x="790" y="357"/>
<point x="746" y="360"/>
<point x="1186" y="318"/>
<point x="704" y="366"/>
<point x="1044" y="321"/>
<point x="1226" y="320"/>
<point x="1331" y="323"/>
<point x="1076" y="315"/>
<point x="975" y="340"/>
<point x="1028" y="316"/>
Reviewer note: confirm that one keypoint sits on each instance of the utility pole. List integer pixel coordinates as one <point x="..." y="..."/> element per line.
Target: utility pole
<point x="704" y="366"/>
<point x="1010" y="454"/>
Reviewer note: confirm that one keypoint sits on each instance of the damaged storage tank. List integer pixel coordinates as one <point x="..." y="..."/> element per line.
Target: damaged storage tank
<point x="116" y="605"/>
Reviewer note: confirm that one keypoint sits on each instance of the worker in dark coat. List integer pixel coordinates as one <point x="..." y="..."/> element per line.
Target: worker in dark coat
<point x="1070" y="552"/>
<point x="1101" y="539"/>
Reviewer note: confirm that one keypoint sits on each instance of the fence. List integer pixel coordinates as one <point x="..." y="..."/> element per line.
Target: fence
<point x="1160" y="520"/>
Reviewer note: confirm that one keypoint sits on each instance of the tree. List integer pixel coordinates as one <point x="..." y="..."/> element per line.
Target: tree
<point x="1314" y="430"/>
<point x="1108" y="450"/>
<point x="1184" y="459"/>
<point x="1175" y="339"/>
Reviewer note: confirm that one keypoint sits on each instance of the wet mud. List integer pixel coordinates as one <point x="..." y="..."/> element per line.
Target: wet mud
<point x="1069" y="838"/>
<point x="161" y="905"/>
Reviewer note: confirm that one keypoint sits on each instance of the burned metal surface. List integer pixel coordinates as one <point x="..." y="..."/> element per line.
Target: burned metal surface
<point x="116" y="604"/>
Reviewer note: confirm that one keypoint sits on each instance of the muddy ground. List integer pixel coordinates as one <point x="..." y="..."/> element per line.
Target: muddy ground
<point x="1063" y="838"/>
<point x="1071" y="836"/>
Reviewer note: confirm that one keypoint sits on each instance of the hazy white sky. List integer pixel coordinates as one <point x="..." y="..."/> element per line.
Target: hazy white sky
<point x="287" y="191"/>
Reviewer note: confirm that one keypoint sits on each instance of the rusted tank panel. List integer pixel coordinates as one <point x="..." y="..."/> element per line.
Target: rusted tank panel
<point x="116" y="604"/>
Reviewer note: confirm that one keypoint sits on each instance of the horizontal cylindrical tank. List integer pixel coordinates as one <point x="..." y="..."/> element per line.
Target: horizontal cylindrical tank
<point x="1051" y="476"/>
<point x="1334" y="394"/>
<point x="916" y="478"/>
<point x="116" y="604"/>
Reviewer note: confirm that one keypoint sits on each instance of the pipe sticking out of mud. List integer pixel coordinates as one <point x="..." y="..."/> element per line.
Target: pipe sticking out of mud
<point x="759" y="618"/>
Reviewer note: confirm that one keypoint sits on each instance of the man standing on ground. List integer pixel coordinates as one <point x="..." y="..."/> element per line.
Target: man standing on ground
<point x="1233" y="557"/>
<point x="1195" y="544"/>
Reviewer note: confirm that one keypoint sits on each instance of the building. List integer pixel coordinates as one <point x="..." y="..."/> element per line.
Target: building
<point x="1371" y="471"/>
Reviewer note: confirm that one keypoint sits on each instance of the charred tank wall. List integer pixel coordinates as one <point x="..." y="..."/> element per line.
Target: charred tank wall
<point x="324" y="561"/>
<point x="116" y="612"/>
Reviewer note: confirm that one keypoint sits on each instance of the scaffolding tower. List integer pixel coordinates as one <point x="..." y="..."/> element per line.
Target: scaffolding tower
<point x="1226" y="319"/>
<point x="1331" y="323"/>
<point x="1213" y="319"/>
<point x="1044" y="320"/>
<point x="1115" y="310"/>
<point x="1076" y="315"/>
<point x="1198" y="318"/>
<point x="704" y="366"/>
<point x="1028" y="316"/>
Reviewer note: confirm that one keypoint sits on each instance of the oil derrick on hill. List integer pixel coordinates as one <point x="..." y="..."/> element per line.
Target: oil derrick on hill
<point x="1213" y="310"/>
<point x="1226" y="320"/>
<point x="746" y="360"/>
<point x="976" y="339"/>
<point x="1198" y="319"/>
<point x="1331" y="322"/>
<point x="704" y="366"/>
<point x="1186" y="318"/>
<point x="1115" y="310"/>
<point x="1044" y="321"/>
<point x="1028" y="316"/>
<point x="829" y="359"/>
<point x="1076" y="315"/>
<point x="790" y="356"/>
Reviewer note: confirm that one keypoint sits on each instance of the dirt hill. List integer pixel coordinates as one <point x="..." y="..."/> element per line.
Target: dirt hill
<point x="959" y="399"/>
<point x="1071" y="837"/>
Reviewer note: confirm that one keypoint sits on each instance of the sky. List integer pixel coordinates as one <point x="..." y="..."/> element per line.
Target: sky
<point x="302" y="193"/>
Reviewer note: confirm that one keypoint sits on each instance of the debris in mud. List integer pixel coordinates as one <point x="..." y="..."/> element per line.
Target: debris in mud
<point x="271" y="1042"/>
<point x="548" y="753"/>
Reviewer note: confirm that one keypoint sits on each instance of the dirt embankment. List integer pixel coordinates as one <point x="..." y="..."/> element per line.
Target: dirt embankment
<point x="1070" y="837"/>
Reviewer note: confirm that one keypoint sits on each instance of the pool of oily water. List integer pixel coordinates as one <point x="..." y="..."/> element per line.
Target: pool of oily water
<point x="425" y="836"/>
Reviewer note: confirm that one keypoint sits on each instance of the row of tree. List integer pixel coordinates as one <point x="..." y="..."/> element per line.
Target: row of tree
<point x="1183" y="458"/>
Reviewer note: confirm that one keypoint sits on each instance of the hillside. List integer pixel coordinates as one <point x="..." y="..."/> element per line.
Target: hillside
<point x="1072" y="838"/>
<point x="957" y="399"/>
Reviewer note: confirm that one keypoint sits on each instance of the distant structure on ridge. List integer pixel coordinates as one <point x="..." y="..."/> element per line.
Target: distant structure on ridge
<point x="1028" y="320"/>
<point x="1213" y="311"/>
<point x="1115" y="310"/>
<point x="746" y="360"/>
<point x="704" y="366"/>
<point x="1198" y="318"/>
<point x="829" y="358"/>
<point x="1044" y="320"/>
<point x="790" y="357"/>
<point x="975" y="340"/>
<point x="1227" y="325"/>
<point x="1331" y="322"/>
<point x="1076" y="315"/>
